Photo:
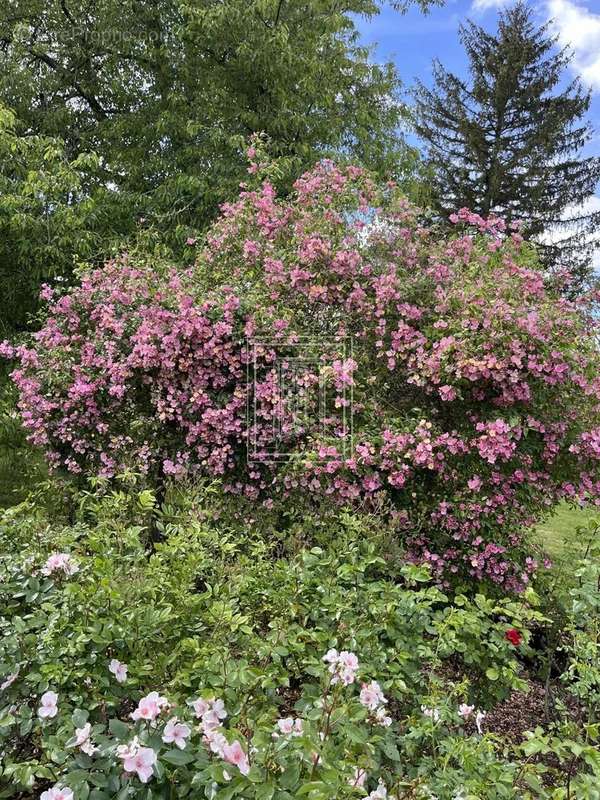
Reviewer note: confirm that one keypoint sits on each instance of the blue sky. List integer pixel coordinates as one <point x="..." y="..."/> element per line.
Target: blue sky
<point x="413" y="40"/>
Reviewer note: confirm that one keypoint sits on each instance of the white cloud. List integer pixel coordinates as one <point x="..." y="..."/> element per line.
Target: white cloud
<point x="579" y="28"/>
<point x="483" y="5"/>
<point x="591" y="205"/>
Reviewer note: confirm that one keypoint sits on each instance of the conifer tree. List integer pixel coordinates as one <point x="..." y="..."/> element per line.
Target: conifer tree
<point x="509" y="139"/>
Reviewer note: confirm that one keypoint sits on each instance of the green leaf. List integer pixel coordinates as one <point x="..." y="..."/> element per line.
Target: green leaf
<point x="119" y="729"/>
<point x="178" y="757"/>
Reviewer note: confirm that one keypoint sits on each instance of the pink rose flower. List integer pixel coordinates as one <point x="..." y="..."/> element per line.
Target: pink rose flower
<point x="142" y="762"/>
<point x="150" y="707"/>
<point x="176" y="733"/>
<point x="234" y="754"/>
<point x="57" y="793"/>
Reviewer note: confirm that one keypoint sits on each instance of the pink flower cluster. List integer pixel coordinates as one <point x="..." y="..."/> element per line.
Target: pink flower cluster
<point x="138" y="759"/>
<point x="59" y="562"/>
<point x="140" y="756"/>
<point x="150" y="707"/>
<point x="343" y="666"/>
<point x="474" y="385"/>
<point x="139" y="360"/>
<point x="289" y="726"/>
<point x="462" y="327"/>
<point x="373" y="698"/>
<point x="212" y="712"/>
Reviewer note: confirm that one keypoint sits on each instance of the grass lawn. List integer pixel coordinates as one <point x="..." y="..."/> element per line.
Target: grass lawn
<point x="558" y="529"/>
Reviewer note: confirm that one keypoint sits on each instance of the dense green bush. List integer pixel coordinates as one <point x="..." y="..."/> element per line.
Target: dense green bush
<point x="208" y="613"/>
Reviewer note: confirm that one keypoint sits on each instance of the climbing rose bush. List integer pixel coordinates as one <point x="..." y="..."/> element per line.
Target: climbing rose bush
<point x="472" y="383"/>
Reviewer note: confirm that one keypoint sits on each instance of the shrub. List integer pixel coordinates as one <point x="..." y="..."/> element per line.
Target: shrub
<point x="474" y="385"/>
<point x="113" y="662"/>
<point x="212" y="616"/>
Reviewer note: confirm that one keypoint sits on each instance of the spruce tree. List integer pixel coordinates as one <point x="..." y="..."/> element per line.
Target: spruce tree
<point x="509" y="139"/>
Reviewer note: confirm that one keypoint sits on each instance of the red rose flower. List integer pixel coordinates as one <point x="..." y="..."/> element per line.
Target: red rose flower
<point x="513" y="636"/>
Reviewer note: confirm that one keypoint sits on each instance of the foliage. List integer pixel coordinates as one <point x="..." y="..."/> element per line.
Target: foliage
<point x="20" y="466"/>
<point x="210" y="614"/>
<point x="51" y="215"/>
<point x="509" y="140"/>
<point x="462" y="364"/>
<point x="138" y="128"/>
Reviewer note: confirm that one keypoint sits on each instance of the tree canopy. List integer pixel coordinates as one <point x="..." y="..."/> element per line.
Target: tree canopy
<point x="164" y="95"/>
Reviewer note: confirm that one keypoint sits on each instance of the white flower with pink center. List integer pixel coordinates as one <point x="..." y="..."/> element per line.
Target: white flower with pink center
<point x="465" y="710"/>
<point x="118" y="669"/>
<point x="57" y="793"/>
<point x="141" y="762"/>
<point x="176" y="733"/>
<point x="150" y="707"/>
<point x="49" y="705"/>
